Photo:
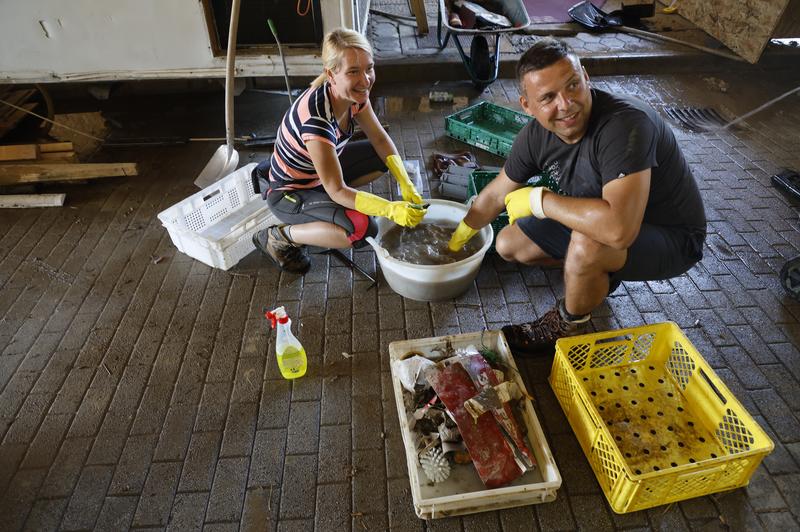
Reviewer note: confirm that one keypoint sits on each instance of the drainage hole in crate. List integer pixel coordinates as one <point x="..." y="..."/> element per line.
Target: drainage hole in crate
<point x="641" y="385"/>
<point x="626" y="420"/>
<point x="602" y="376"/>
<point x="656" y="468"/>
<point x="618" y="405"/>
<point x="670" y="394"/>
<point x="593" y="393"/>
<point x="618" y="438"/>
<point x="681" y="444"/>
<point x="638" y="471"/>
<point x="633" y="370"/>
<point x="625" y="388"/>
<point x="690" y="423"/>
<point x="661" y="381"/>
<point x="633" y="402"/>
<point x="610" y="423"/>
<point x="649" y="399"/>
<point x="627" y="455"/>
<point x="653" y="432"/>
<point x="610" y="390"/>
<point x="663" y="447"/>
<point x="713" y="455"/>
<point x="601" y="408"/>
<point x="660" y="413"/>
<point x="691" y="460"/>
<point x="635" y="434"/>
<point x="585" y="379"/>
<point x="680" y="409"/>
<point x="674" y="464"/>
<point x="702" y="440"/>
<point x="651" y="368"/>
<point x="646" y="451"/>
<point x="643" y="416"/>
<point x="669" y="428"/>
<point x="616" y="373"/>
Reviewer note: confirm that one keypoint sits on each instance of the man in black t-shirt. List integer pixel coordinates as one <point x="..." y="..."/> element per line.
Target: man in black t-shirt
<point x="627" y="206"/>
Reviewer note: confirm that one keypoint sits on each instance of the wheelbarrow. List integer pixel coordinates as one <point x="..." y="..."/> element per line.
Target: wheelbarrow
<point x="481" y="64"/>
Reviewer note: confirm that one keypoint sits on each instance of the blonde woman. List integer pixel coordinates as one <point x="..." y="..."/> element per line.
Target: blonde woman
<point x="310" y="181"/>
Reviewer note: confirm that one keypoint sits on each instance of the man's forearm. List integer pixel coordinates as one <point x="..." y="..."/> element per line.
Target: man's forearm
<point x="483" y="211"/>
<point x="592" y="217"/>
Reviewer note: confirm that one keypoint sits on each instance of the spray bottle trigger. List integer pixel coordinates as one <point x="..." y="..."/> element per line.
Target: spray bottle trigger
<point x="273" y="319"/>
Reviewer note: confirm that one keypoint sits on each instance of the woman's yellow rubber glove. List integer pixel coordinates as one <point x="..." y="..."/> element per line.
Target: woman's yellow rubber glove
<point x="461" y="236"/>
<point x="400" y="212"/>
<point x="524" y="202"/>
<point x="398" y="170"/>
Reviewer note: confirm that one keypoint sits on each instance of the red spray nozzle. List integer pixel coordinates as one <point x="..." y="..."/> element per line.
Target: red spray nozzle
<point x="276" y="316"/>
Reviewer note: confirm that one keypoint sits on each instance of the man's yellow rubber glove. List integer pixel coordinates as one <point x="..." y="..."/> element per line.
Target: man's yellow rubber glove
<point x="524" y="202"/>
<point x="398" y="170"/>
<point x="461" y="236"/>
<point x="400" y="212"/>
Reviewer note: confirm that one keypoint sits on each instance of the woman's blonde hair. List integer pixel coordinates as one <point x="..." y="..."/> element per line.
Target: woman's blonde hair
<point x="334" y="46"/>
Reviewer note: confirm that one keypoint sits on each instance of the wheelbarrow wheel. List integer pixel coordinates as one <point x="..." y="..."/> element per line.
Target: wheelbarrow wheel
<point x="481" y="61"/>
<point x="790" y="277"/>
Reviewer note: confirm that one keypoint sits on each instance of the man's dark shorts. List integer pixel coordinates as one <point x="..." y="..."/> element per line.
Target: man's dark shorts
<point x="659" y="252"/>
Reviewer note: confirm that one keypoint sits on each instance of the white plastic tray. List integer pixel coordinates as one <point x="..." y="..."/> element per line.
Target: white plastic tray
<point x="463" y="492"/>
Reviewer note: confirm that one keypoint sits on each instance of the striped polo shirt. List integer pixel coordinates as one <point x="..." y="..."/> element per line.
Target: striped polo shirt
<point x="311" y="117"/>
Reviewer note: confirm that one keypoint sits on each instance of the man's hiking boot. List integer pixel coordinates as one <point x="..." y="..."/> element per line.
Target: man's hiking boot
<point x="539" y="337"/>
<point x="288" y="256"/>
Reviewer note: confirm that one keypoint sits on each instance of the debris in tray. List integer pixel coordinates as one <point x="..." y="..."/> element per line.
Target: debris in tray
<point x="434" y="464"/>
<point x="460" y="410"/>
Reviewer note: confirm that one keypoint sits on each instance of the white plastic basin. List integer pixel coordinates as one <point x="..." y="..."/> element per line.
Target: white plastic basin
<point x="432" y="282"/>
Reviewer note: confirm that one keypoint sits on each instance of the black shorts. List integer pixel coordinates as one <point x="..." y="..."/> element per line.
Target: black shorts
<point x="659" y="252"/>
<point x="314" y="204"/>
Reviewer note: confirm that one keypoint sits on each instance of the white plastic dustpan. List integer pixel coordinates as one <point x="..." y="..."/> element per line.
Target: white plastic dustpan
<point x="226" y="158"/>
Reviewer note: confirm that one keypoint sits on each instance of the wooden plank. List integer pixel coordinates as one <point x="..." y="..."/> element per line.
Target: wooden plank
<point x="62" y="156"/>
<point x="418" y="8"/>
<point x="12" y="174"/>
<point x="18" y="152"/>
<point x="744" y="26"/>
<point x="50" y="147"/>
<point x="23" y="201"/>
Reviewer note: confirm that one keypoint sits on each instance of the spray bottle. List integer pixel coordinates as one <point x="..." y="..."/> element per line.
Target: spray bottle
<point x="291" y="355"/>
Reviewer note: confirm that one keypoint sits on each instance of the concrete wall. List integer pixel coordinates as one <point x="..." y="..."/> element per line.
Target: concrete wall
<point x="91" y="40"/>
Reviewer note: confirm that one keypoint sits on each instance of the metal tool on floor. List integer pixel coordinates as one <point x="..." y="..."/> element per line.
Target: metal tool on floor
<point x="344" y="259"/>
<point x="226" y="158"/>
<point x="591" y="17"/>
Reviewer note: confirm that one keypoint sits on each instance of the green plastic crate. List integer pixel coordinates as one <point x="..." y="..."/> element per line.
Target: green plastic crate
<point x="487" y="126"/>
<point x="478" y="180"/>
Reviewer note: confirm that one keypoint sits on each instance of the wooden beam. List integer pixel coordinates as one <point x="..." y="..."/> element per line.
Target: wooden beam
<point x="23" y="201"/>
<point x="62" y="156"/>
<point x="13" y="174"/>
<point x="18" y="152"/>
<point x="50" y="147"/>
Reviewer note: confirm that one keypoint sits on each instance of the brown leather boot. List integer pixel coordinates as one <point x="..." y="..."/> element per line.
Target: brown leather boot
<point x="288" y="256"/>
<point x="539" y="336"/>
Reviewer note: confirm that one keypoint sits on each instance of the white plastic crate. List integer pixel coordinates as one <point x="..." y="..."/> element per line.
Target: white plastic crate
<point x="215" y="225"/>
<point x="463" y="492"/>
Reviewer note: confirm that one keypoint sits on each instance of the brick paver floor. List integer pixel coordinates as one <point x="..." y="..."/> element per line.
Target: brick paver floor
<point x="138" y="387"/>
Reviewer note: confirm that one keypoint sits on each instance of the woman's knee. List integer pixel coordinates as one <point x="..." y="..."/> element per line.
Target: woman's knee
<point x="362" y="226"/>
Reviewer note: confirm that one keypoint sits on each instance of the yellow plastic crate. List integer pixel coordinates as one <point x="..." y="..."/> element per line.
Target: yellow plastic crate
<point x="652" y="417"/>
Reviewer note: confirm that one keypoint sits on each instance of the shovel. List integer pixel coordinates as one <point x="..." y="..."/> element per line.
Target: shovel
<point x="591" y="17"/>
<point x="226" y="158"/>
